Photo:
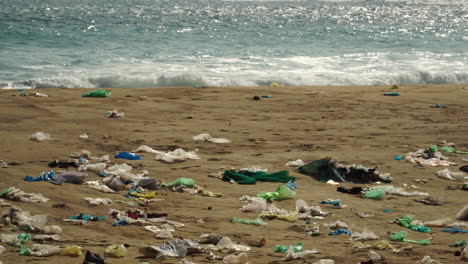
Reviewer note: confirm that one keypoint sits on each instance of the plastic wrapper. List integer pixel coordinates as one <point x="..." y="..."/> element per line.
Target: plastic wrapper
<point x="98" y="186"/>
<point x="283" y="192"/>
<point x="274" y="212"/>
<point x="336" y="225"/>
<point x="376" y="194"/>
<point x="164" y="234"/>
<point x="284" y="249"/>
<point x="175" y="248"/>
<point x="401" y="237"/>
<point x="427" y="260"/>
<point x="182" y="181"/>
<point x="306" y="211"/>
<point x="116" y="251"/>
<point x="291" y="255"/>
<point x="96" y="201"/>
<point x="16" y="194"/>
<point x="397" y="191"/>
<point x="256" y="204"/>
<point x="240" y="258"/>
<point x="364" y="236"/>
<point x="453" y="176"/>
<point x="295" y="163"/>
<point x="46" y="237"/>
<point x="257" y="221"/>
<point x="44" y="250"/>
<point x="40" y="136"/>
<point x="176" y="155"/>
<point x="463" y="213"/>
<point x="205" y="137"/>
<point x="72" y="251"/>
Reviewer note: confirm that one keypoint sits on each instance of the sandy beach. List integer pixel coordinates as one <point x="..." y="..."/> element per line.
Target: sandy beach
<point x="351" y="124"/>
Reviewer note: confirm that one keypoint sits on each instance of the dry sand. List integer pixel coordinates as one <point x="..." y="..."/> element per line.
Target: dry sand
<point x="351" y="124"/>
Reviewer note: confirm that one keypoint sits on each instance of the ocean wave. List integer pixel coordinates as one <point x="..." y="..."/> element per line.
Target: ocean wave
<point x="335" y="78"/>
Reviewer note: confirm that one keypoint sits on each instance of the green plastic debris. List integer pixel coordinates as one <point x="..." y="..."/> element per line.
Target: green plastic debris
<point x="461" y="243"/>
<point x="406" y="220"/>
<point x="376" y="194"/>
<point x="4" y="192"/>
<point x="283" y="192"/>
<point x="284" y="249"/>
<point x="23" y="237"/>
<point x="24" y="251"/>
<point x="257" y="221"/>
<point x="88" y="217"/>
<point x="452" y="150"/>
<point x="182" y="181"/>
<point x="249" y="177"/>
<point x="323" y="168"/>
<point x="99" y="93"/>
<point x="401" y="237"/>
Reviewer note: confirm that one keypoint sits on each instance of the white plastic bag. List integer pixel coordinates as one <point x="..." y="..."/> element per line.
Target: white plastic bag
<point x="39" y="136"/>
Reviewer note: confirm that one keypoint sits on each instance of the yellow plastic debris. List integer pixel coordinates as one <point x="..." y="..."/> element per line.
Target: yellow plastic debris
<point x="146" y="195"/>
<point x="116" y="251"/>
<point x="72" y="251"/>
<point x="210" y="194"/>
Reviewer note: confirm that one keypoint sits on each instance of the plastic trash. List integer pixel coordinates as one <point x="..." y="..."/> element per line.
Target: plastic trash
<point x="2" y="249"/>
<point x="256" y="204"/>
<point x="340" y="231"/>
<point x="373" y="256"/>
<point x="93" y="167"/>
<point x="115" y="114"/>
<point x="284" y="249"/>
<point x="99" y="93"/>
<point x="364" y="236"/>
<point x="283" y="192"/>
<point x="431" y="201"/>
<point x="93" y="258"/>
<point x="336" y="225"/>
<point x="252" y="177"/>
<point x="325" y="261"/>
<point x="174" y="248"/>
<point x="72" y="251"/>
<point x="454" y="230"/>
<point x="40" y="136"/>
<point x="15" y="194"/>
<point x="176" y="155"/>
<point x="336" y="202"/>
<point x="353" y="190"/>
<point x="182" y="181"/>
<point x="306" y="211"/>
<point x="427" y="260"/>
<point x="391" y="94"/>
<point x="164" y="234"/>
<point x="461" y="243"/>
<point x="46" y="237"/>
<point x="295" y="163"/>
<point x="87" y="217"/>
<point x="44" y="250"/>
<point x="274" y="212"/>
<point x="127" y="155"/>
<point x="291" y="255"/>
<point x="453" y="176"/>
<point x="463" y="213"/>
<point x="401" y="237"/>
<point x="96" y="201"/>
<point x="98" y="186"/>
<point x="116" y="251"/>
<point x="408" y="222"/>
<point x="399" y="157"/>
<point x="240" y="258"/>
<point x="376" y="194"/>
<point x="464" y="254"/>
<point x="257" y="221"/>
<point x="205" y="137"/>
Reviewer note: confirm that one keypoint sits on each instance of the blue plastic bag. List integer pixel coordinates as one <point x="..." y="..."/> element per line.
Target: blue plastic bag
<point x="127" y="155"/>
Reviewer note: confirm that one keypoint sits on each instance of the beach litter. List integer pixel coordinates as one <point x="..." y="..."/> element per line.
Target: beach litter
<point x="92" y="258"/>
<point x="273" y="212"/>
<point x="40" y="136"/>
<point x="364" y="236"/>
<point x="282" y="192"/>
<point x="330" y="169"/>
<point x="114" y="114"/>
<point x="97" y="201"/>
<point x="35" y="94"/>
<point x="250" y="177"/>
<point x="116" y="251"/>
<point x="205" y="137"/>
<point x="295" y="163"/>
<point x="401" y="237"/>
<point x="429" y="156"/>
<point x="15" y="194"/>
<point x="453" y="176"/>
<point x="127" y="155"/>
<point x="240" y="258"/>
<point x="99" y="93"/>
<point x="409" y="221"/>
<point x="392" y="94"/>
<point x="454" y="230"/>
<point x="257" y="221"/>
<point x="427" y="260"/>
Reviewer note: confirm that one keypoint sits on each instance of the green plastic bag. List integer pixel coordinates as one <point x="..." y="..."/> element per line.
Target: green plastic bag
<point x="250" y="177"/>
<point x="184" y="181"/>
<point x="376" y="194"/>
<point x="461" y="243"/>
<point x="24" y="251"/>
<point x="99" y="93"/>
<point x="23" y="237"/>
<point x="406" y="220"/>
<point x="452" y="150"/>
<point x="282" y="192"/>
<point x="284" y="249"/>
<point x="401" y="237"/>
<point x="257" y="221"/>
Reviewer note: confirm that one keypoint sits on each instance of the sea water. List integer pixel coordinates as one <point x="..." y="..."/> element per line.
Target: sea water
<point x="153" y="43"/>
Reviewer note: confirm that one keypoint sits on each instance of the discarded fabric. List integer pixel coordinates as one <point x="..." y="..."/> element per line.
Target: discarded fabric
<point x="248" y="177"/>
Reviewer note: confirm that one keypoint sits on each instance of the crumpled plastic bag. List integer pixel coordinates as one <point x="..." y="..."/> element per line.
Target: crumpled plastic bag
<point x="127" y="155"/>
<point x="15" y="194"/>
<point x="291" y="255"/>
<point x="428" y="260"/>
<point x="397" y="191"/>
<point x="295" y="163"/>
<point x="115" y="114"/>
<point x="116" y="251"/>
<point x="257" y="221"/>
<point x="463" y="213"/>
<point x="306" y="211"/>
<point x="336" y="225"/>
<point x="44" y="250"/>
<point x="453" y="176"/>
<point x="39" y="136"/>
<point x="364" y="236"/>
<point x="205" y="137"/>
<point x="96" y="201"/>
<point x="274" y="212"/>
<point x="98" y="186"/>
<point x="175" y="248"/>
<point x="283" y="192"/>
<point x="240" y="258"/>
<point x="256" y="204"/>
<point x="401" y="237"/>
<point x="176" y="155"/>
<point x="93" y="167"/>
<point x="23" y="219"/>
<point x="99" y="93"/>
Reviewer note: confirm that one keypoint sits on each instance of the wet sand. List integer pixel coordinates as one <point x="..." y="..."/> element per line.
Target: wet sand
<point x="351" y="124"/>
